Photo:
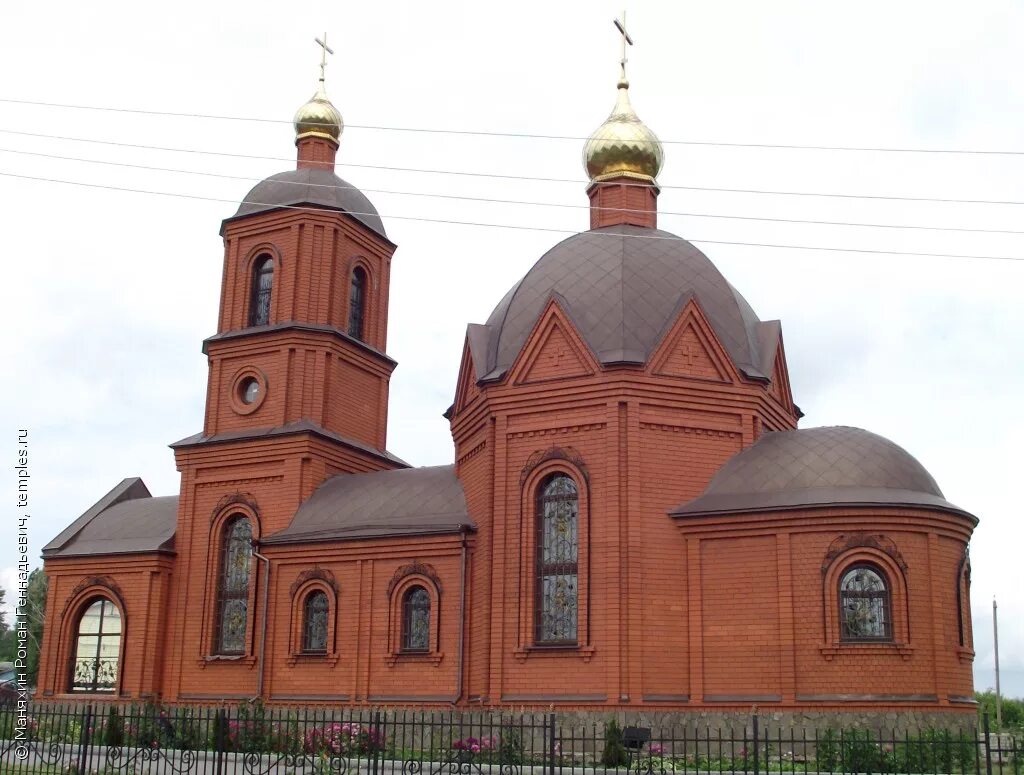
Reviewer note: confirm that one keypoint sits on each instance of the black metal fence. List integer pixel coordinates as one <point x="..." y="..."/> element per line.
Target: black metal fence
<point x="254" y="740"/>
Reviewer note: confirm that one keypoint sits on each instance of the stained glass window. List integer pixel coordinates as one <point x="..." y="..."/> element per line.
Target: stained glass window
<point x="416" y="620"/>
<point x="233" y="586"/>
<point x="97" y="648"/>
<point x="864" y="605"/>
<point x="262" y="286"/>
<point x="357" y="303"/>
<point x="314" y="622"/>
<point x="557" y="555"/>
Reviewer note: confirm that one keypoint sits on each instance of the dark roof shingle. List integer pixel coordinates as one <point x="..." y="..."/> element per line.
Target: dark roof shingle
<point x="818" y="467"/>
<point x="380" y="504"/>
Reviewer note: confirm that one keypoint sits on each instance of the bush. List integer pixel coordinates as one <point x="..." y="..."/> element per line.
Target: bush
<point x="510" y="749"/>
<point x="614" y="754"/>
<point x="113" y="732"/>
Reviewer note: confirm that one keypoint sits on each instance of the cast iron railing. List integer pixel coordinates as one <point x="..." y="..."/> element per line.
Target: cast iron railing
<point x="109" y="739"/>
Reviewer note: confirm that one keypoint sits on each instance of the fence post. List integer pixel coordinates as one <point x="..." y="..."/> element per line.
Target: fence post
<point x="550" y="724"/>
<point x="988" y="745"/>
<point x="83" y="739"/>
<point x="757" y="749"/>
<point x="218" y="741"/>
<point x="374" y="766"/>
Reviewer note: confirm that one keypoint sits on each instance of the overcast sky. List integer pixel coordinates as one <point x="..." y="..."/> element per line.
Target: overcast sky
<point x="113" y="291"/>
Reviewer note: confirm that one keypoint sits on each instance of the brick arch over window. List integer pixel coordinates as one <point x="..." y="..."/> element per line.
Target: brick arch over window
<point x="540" y="566"/>
<point x="881" y="562"/>
<point x="229" y="606"/>
<point x="414" y="595"/>
<point x="314" y="617"/>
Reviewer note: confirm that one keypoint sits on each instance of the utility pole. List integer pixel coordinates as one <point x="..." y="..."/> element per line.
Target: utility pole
<point x="995" y="640"/>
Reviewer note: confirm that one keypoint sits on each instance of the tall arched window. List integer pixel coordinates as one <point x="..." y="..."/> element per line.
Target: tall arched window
<point x="963" y="597"/>
<point x="97" y="648"/>
<point x="416" y="620"/>
<point x="262" y="287"/>
<point x="357" y="303"/>
<point x="233" y="586"/>
<point x="864" y="605"/>
<point x="557" y="556"/>
<point x="314" y="622"/>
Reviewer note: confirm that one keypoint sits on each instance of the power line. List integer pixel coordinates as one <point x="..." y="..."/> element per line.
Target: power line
<point x="499" y="176"/>
<point x="518" y="227"/>
<point x="532" y="136"/>
<point x="491" y="200"/>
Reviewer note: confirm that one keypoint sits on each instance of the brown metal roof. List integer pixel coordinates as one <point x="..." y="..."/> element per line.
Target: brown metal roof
<point x="381" y="504"/>
<point x="126" y="520"/>
<point x="819" y="467"/>
<point x="624" y="286"/>
<point x="315" y="187"/>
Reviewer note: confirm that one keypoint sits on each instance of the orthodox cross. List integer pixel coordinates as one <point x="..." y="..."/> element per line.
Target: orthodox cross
<point x="620" y="25"/>
<point x="323" y="54"/>
<point x="688" y="355"/>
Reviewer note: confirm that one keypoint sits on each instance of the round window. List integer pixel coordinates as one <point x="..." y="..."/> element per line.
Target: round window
<point x="249" y="390"/>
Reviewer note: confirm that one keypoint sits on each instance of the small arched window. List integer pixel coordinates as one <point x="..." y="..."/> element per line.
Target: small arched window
<point x="262" y="288"/>
<point x="416" y="620"/>
<point x="97" y="648"/>
<point x="233" y="586"/>
<point x="357" y="303"/>
<point x="557" y="557"/>
<point x="314" y="622"/>
<point x="864" y="605"/>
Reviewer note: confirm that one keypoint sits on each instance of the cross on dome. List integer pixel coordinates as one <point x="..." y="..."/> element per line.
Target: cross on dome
<point x="620" y="25"/>
<point x="323" y="55"/>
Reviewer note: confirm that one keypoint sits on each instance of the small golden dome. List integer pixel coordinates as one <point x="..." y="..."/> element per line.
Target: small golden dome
<point x="318" y="118"/>
<point x="623" y="144"/>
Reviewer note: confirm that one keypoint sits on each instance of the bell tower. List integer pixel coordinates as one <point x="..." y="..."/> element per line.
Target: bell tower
<point x="299" y="355"/>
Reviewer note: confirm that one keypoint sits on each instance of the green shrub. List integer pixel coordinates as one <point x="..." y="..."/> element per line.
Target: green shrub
<point x="614" y="754"/>
<point x="113" y="731"/>
<point x="510" y="749"/>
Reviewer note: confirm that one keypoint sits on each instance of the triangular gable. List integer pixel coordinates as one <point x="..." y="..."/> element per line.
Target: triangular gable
<point x="466" y="390"/>
<point x="553" y="350"/>
<point x="691" y="350"/>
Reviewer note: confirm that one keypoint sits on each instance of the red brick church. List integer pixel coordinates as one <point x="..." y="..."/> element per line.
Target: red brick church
<point x="632" y="520"/>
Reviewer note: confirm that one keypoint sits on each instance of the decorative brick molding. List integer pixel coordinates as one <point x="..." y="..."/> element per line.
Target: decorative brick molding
<point x="315" y="573"/>
<point x="594" y="426"/>
<point x="415" y="568"/>
<point x="845" y="543"/>
<point x="568" y="454"/>
<point x="104" y="583"/>
<point x="690" y="430"/>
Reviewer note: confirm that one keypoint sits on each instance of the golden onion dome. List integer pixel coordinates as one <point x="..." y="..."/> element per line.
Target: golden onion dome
<point x="318" y="118"/>
<point x="623" y="144"/>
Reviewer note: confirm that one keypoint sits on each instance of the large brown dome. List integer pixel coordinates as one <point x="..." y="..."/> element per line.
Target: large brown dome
<point x="623" y="286"/>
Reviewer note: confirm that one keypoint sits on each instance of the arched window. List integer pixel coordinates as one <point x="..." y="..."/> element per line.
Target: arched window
<point x="233" y="586"/>
<point x="557" y="556"/>
<point x="97" y="648"/>
<point x="357" y="303"/>
<point x="864" y="605"/>
<point x="262" y="287"/>
<point x="314" y="622"/>
<point x="416" y="620"/>
<point x="963" y="598"/>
